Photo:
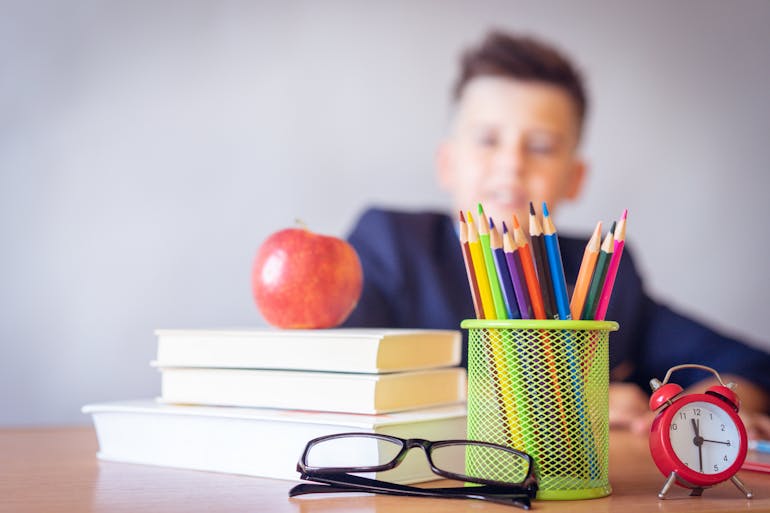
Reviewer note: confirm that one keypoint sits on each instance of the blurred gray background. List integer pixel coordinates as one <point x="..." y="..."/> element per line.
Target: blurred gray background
<point x="147" y="148"/>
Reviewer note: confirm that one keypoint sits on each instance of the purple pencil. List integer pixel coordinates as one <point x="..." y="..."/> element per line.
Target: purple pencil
<point x="517" y="274"/>
<point x="509" y="294"/>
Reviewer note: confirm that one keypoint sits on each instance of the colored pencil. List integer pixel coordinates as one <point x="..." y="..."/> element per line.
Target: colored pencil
<point x="759" y="446"/>
<point x="600" y="273"/>
<point x="503" y="274"/>
<point x="557" y="267"/>
<point x="501" y="383"/>
<point x="612" y="270"/>
<point x="530" y="274"/>
<point x="541" y="263"/>
<point x="497" y="354"/>
<point x="518" y="356"/>
<point x="489" y="263"/>
<point x="477" y="257"/>
<point x="536" y="299"/>
<point x="513" y="259"/>
<point x="469" y="271"/>
<point x="573" y="364"/>
<point x="587" y="267"/>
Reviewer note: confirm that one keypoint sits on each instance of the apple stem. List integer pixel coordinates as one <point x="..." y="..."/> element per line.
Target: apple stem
<point x="300" y="223"/>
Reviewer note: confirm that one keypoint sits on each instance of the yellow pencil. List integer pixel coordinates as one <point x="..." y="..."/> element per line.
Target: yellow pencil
<point x="501" y="373"/>
<point x="487" y="303"/>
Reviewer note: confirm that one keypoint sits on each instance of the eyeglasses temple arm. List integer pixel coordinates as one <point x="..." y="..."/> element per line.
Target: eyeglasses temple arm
<point x="340" y="483"/>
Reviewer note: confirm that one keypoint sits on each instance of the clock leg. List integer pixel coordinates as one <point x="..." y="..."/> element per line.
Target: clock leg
<point x="696" y="492"/>
<point x="737" y="482"/>
<point x="663" y="491"/>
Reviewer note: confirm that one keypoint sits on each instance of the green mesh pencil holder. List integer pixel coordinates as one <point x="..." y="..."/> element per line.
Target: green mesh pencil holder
<point x="543" y="387"/>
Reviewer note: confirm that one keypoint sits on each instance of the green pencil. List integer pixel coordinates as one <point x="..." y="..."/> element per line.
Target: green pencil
<point x="600" y="273"/>
<point x="489" y="263"/>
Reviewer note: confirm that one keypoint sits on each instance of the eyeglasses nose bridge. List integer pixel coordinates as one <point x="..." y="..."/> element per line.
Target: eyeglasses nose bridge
<point x="419" y="442"/>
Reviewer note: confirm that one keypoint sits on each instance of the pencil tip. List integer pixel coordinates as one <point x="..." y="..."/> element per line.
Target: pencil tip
<point x="470" y="217"/>
<point x="625" y="214"/>
<point x="516" y="224"/>
<point x="612" y="228"/>
<point x="505" y="228"/>
<point x="462" y="217"/>
<point x="491" y="224"/>
<point x="531" y="209"/>
<point x="545" y="210"/>
<point x="481" y="210"/>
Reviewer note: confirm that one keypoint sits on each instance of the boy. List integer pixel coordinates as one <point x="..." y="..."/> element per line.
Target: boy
<point x="514" y="137"/>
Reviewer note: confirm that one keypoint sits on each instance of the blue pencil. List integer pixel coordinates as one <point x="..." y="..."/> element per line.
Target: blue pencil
<point x="760" y="445"/>
<point x="557" y="268"/>
<point x="562" y="305"/>
<point x="506" y="283"/>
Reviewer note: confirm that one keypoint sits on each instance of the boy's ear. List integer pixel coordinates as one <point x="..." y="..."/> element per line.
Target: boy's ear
<point x="577" y="179"/>
<point x="444" y="168"/>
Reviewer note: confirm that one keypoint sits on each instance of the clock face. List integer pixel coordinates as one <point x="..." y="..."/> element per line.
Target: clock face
<point x="704" y="437"/>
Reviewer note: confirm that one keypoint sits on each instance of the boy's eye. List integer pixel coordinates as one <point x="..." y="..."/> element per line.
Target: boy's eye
<point x="542" y="144"/>
<point x="540" y="148"/>
<point x="487" y="139"/>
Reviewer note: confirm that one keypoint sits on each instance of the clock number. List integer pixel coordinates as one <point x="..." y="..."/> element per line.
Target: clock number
<point x="682" y="415"/>
<point x="711" y="416"/>
<point x="716" y="468"/>
<point x="674" y="427"/>
<point x="696" y="412"/>
<point x="728" y="443"/>
<point x="722" y="427"/>
<point x="725" y="458"/>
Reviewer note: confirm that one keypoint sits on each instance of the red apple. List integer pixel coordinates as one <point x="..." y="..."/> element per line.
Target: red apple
<point x="305" y="280"/>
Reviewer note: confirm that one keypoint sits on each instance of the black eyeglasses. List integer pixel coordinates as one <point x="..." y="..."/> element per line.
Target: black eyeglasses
<point x="500" y="474"/>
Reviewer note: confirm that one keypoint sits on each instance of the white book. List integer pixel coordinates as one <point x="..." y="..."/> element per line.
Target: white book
<point x="255" y="442"/>
<point x="337" y="350"/>
<point x="322" y="391"/>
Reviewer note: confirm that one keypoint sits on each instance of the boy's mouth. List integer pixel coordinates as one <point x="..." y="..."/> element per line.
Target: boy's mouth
<point x="506" y="200"/>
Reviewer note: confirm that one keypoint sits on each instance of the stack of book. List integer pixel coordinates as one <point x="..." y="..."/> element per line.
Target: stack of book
<point x="247" y="401"/>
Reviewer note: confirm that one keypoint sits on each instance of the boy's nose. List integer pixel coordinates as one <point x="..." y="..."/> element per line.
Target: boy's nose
<point x="510" y="160"/>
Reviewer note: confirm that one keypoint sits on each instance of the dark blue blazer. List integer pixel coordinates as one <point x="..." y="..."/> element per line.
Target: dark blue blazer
<point x="414" y="277"/>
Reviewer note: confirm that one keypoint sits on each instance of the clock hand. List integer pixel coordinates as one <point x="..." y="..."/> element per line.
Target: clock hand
<point x="698" y="441"/>
<point x="716" y="441"/>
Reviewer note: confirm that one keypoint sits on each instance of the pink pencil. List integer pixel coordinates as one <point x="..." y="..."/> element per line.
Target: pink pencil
<point x="612" y="270"/>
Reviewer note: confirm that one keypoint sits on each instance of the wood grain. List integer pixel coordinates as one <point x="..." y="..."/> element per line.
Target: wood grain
<point x="55" y="469"/>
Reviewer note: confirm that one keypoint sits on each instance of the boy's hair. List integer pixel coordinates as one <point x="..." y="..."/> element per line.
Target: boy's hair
<point x="521" y="58"/>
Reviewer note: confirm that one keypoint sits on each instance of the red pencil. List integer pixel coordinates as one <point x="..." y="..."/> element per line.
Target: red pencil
<point x="528" y="266"/>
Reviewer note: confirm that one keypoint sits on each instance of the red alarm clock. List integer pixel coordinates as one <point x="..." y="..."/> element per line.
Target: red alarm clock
<point x="697" y="440"/>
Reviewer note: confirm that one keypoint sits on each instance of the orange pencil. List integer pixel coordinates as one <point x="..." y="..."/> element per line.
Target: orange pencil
<point x="538" y="309"/>
<point x="587" y="267"/>
<point x="530" y="275"/>
<point x="482" y="279"/>
<point x="468" y="259"/>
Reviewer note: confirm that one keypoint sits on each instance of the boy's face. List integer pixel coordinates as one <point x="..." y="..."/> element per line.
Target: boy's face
<point x="512" y="142"/>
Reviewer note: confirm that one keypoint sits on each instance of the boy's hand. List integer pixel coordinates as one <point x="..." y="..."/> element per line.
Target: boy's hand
<point x="757" y="425"/>
<point x="629" y="408"/>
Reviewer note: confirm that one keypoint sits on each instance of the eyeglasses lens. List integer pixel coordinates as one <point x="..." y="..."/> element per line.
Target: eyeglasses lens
<point x="352" y="451"/>
<point x="477" y="461"/>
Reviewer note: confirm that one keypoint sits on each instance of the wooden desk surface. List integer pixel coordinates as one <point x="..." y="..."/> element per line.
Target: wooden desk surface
<point x="47" y="470"/>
